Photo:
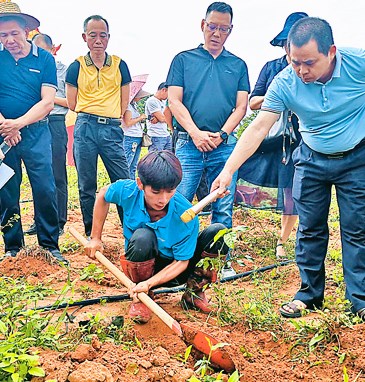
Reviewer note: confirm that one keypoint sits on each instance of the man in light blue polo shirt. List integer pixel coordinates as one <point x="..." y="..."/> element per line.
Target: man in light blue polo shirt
<point x="159" y="247"/>
<point x="325" y="88"/>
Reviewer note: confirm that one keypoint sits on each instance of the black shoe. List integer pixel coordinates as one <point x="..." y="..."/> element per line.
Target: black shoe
<point x="56" y="254"/>
<point x="10" y="253"/>
<point x="32" y="230"/>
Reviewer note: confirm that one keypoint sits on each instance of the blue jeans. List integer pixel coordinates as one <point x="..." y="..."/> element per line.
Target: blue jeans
<point x="160" y="143"/>
<point x="94" y="136"/>
<point x="194" y="162"/>
<point x="132" y="148"/>
<point x="36" y="153"/>
<point x="314" y="176"/>
<point x="58" y="131"/>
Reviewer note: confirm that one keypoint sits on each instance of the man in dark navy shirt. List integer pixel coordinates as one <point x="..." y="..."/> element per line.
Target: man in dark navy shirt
<point x="207" y="91"/>
<point x="28" y="87"/>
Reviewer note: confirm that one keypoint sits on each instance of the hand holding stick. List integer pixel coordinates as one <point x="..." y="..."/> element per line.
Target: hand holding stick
<point x="190" y="214"/>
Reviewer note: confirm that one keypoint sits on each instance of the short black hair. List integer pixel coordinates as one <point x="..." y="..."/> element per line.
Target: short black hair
<point x="162" y="86"/>
<point x="221" y="7"/>
<point x="311" y="28"/>
<point x="160" y="169"/>
<point x="95" y="17"/>
<point x="47" y="39"/>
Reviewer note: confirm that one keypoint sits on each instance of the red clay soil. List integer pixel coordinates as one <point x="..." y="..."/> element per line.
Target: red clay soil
<point x="258" y="355"/>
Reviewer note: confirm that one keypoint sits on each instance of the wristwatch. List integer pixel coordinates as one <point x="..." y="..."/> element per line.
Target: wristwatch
<point x="223" y="135"/>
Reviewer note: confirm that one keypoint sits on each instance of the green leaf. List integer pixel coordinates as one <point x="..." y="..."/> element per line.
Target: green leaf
<point x="15" y="377"/>
<point x="341" y="358"/>
<point x="3" y="327"/>
<point x="9" y="369"/>
<point x="234" y="377"/>
<point x="37" y="372"/>
<point x="317" y="338"/>
<point x="187" y="353"/>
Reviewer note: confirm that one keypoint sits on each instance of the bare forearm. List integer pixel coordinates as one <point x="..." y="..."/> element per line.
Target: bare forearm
<point x="250" y="140"/>
<point x="101" y="210"/>
<point x="168" y="273"/>
<point x="256" y="102"/>
<point x="182" y="115"/>
<point x="35" y="114"/>
<point x="233" y="121"/>
<point x="61" y="101"/>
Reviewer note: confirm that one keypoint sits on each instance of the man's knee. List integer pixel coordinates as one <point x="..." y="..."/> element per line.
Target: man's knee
<point x="142" y="246"/>
<point x="207" y="236"/>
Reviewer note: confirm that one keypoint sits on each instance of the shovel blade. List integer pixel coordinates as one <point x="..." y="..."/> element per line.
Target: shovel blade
<point x="203" y="342"/>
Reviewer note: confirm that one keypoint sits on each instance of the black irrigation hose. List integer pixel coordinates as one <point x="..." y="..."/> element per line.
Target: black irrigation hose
<point x="125" y="296"/>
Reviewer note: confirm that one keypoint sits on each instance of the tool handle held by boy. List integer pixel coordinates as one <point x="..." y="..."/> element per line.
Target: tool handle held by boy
<point x="143" y="297"/>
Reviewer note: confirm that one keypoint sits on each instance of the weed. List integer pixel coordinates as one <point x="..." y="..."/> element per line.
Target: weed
<point x="22" y="329"/>
<point x="69" y="245"/>
<point x="107" y="329"/>
<point x="92" y="273"/>
<point x="85" y="291"/>
<point x="315" y="336"/>
<point x="203" y="367"/>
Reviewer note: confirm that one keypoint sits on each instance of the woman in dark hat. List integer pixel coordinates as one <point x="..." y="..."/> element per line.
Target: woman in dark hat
<point x="268" y="167"/>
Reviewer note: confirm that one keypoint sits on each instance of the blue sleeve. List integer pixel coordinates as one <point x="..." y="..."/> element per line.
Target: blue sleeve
<point x="50" y="71"/>
<point x="274" y="98"/>
<point x="261" y="84"/>
<point x="175" y="76"/>
<point x="244" y="84"/>
<point x="115" y="192"/>
<point x="126" y="76"/>
<point x="184" y="250"/>
<point x="72" y="73"/>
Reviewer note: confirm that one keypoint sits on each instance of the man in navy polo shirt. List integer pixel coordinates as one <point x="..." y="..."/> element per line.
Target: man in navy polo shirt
<point x="325" y="87"/>
<point x="207" y="91"/>
<point x="28" y="87"/>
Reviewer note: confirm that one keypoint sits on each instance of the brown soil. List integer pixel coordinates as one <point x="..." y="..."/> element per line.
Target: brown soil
<point x="257" y="355"/>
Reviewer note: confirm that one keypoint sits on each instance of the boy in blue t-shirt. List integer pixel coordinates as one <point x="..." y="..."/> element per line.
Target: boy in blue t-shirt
<point x="159" y="247"/>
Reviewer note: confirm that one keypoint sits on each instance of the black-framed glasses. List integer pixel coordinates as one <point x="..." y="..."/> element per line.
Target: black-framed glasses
<point x="213" y="27"/>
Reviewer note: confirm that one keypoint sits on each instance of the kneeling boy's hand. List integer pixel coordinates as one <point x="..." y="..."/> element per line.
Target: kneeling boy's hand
<point x="143" y="286"/>
<point x="92" y="246"/>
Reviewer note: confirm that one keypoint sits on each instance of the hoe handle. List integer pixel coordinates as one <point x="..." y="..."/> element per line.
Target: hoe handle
<point x="143" y="297"/>
<point x="190" y="214"/>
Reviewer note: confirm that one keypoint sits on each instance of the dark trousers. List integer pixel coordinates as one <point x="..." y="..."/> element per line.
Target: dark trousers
<point x="143" y="246"/>
<point x="58" y="131"/>
<point x="36" y="153"/>
<point x="91" y="139"/>
<point x="314" y="176"/>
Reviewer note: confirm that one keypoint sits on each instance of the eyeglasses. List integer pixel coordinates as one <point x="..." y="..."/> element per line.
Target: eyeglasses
<point x="213" y="27"/>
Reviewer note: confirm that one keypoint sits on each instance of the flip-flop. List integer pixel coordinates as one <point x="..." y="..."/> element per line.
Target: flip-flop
<point x="361" y="313"/>
<point x="296" y="311"/>
<point x="280" y="258"/>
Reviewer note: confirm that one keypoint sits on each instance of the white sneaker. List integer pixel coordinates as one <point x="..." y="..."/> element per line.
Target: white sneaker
<point x="227" y="271"/>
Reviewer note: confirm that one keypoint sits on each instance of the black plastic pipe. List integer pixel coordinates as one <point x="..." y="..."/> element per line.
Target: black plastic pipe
<point x="125" y="296"/>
